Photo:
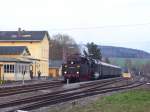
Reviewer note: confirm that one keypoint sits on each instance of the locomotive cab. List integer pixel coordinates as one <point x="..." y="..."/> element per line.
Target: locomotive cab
<point x="95" y="69"/>
<point x="76" y="69"/>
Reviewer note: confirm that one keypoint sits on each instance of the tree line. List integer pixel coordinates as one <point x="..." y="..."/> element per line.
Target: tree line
<point x="62" y="45"/>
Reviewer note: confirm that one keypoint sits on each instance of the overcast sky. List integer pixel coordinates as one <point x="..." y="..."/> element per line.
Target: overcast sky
<point x="123" y="23"/>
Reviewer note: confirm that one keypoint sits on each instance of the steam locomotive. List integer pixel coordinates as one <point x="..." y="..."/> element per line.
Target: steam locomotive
<point x="82" y="68"/>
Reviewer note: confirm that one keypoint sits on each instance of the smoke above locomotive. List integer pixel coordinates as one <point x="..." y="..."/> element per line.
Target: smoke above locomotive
<point x="83" y="50"/>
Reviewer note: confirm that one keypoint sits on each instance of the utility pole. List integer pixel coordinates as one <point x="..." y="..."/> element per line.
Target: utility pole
<point x="64" y="54"/>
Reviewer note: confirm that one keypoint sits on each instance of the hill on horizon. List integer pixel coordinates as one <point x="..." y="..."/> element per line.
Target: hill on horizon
<point x="122" y="52"/>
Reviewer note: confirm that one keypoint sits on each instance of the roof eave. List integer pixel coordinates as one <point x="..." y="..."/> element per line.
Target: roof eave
<point x="20" y="40"/>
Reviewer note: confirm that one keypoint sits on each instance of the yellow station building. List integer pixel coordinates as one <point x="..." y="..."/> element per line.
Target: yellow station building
<point x="22" y="52"/>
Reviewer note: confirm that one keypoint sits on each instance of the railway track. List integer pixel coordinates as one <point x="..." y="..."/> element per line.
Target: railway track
<point x="31" y="84"/>
<point x="36" y="87"/>
<point x="66" y="95"/>
<point x="28" y="88"/>
<point x="27" y="85"/>
<point x="74" y="96"/>
<point x="55" y="94"/>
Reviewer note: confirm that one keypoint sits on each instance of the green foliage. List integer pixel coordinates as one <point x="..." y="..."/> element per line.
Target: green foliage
<point x="94" y="51"/>
<point x="132" y="62"/>
<point x="2" y="81"/>
<point x="132" y="101"/>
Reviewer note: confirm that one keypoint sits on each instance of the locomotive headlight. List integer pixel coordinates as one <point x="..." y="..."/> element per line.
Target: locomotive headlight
<point x="65" y="72"/>
<point x="77" y="72"/>
<point x="78" y="66"/>
<point x="65" y="66"/>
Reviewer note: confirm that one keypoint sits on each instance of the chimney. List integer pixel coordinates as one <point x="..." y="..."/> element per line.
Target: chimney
<point x="19" y="29"/>
<point x="19" y="32"/>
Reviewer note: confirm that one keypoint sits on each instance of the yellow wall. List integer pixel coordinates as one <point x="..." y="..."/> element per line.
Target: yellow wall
<point x="44" y="55"/>
<point x="38" y="50"/>
<point x="35" y="48"/>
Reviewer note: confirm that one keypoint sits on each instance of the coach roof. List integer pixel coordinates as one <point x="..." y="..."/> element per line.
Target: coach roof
<point x="109" y="65"/>
<point x="23" y="35"/>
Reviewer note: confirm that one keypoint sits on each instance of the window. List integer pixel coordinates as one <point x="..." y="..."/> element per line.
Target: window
<point x="9" y="68"/>
<point x="5" y="68"/>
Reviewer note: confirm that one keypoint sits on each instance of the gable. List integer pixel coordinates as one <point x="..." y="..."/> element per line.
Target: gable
<point x="26" y="52"/>
<point x="46" y="39"/>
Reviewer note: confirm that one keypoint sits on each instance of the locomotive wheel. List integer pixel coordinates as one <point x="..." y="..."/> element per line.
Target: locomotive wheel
<point x="65" y="81"/>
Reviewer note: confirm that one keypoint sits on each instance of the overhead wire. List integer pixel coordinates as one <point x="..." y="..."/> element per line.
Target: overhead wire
<point x="98" y="27"/>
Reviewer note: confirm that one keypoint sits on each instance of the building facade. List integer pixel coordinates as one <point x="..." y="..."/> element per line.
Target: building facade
<point x="13" y="65"/>
<point x="55" y="67"/>
<point x="36" y="42"/>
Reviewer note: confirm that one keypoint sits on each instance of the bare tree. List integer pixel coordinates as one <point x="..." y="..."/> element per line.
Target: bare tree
<point x="55" y="50"/>
<point x="128" y="64"/>
<point x="61" y="46"/>
<point x="64" y="39"/>
<point x="146" y="69"/>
